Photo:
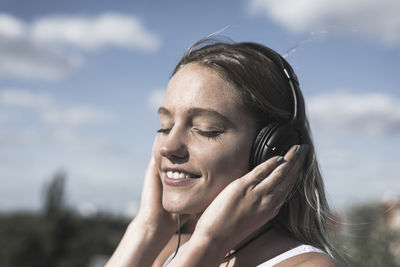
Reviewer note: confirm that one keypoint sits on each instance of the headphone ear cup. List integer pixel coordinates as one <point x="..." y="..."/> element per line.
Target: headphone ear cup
<point x="274" y="139"/>
<point x="260" y="144"/>
<point x="282" y="139"/>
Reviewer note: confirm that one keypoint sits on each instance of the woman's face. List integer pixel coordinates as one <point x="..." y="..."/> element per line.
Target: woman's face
<point x="204" y="141"/>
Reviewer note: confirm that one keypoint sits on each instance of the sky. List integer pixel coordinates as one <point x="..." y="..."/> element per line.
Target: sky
<point x="80" y="83"/>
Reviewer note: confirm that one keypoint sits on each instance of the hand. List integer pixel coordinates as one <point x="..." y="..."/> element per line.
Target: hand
<point x="249" y="202"/>
<point x="151" y="211"/>
<point x="150" y="230"/>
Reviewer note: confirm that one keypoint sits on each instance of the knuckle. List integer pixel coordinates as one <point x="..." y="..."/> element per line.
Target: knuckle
<point x="276" y="197"/>
<point x="237" y="185"/>
<point x="280" y="172"/>
<point x="259" y="174"/>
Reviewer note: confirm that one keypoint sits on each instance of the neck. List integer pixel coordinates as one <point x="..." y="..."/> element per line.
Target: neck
<point x="250" y="239"/>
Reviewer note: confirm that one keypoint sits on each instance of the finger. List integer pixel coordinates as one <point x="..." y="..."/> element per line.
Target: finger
<point x="152" y="182"/>
<point x="295" y="162"/>
<point x="275" y="177"/>
<point x="283" y="177"/>
<point x="261" y="171"/>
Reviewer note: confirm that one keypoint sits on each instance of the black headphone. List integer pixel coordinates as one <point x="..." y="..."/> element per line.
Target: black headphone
<point x="276" y="137"/>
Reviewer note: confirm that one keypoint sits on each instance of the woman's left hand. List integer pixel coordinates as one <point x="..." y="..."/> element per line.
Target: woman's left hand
<point x="242" y="207"/>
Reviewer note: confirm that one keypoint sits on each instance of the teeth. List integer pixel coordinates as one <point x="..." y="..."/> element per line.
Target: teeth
<point x="177" y="175"/>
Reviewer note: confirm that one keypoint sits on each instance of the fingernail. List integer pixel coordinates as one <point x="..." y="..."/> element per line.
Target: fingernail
<point x="279" y="160"/>
<point x="302" y="148"/>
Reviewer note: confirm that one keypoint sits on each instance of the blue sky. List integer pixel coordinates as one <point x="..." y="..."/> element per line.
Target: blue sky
<point x="80" y="83"/>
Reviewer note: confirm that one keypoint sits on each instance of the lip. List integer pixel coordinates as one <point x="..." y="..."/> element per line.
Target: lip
<point x="178" y="182"/>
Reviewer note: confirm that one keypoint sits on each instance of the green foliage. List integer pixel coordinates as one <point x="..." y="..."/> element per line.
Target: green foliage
<point x="54" y="195"/>
<point x="57" y="237"/>
<point x="61" y="240"/>
<point x="365" y="240"/>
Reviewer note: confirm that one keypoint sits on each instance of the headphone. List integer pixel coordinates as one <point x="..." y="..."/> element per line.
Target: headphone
<point x="276" y="137"/>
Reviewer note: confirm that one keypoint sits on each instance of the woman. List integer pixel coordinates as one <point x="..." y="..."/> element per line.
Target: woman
<point x="206" y="171"/>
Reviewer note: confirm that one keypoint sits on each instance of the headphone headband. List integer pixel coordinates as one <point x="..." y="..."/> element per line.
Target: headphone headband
<point x="298" y="113"/>
<point x="276" y="138"/>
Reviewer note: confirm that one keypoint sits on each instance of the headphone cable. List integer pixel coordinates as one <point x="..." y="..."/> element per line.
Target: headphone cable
<point x="179" y="237"/>
<point x="231" y="254"/>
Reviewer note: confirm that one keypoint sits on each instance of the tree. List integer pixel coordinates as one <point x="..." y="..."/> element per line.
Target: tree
<point x="54" y="202"/>
<point x="367" y="240"/>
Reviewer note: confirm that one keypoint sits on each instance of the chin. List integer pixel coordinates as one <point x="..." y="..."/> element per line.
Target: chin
<point x="183" y="207"/>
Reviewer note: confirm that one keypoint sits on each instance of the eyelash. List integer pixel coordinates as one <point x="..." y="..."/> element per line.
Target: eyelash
<point x="164" y="131"/>
<point x="207" y="134"/>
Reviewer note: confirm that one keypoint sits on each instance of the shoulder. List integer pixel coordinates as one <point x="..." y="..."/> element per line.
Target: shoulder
<point x="310" y="259"/>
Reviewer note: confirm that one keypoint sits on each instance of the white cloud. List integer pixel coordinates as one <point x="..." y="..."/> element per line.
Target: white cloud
<point x="24" y="98"/>
<point x="42" y="122"/>
<point x="11" y="27"/>
<point x="22" y="60"/>
<point x="110" y="29"/>
<point x="155" y="99"/>
<point x="52" y="112"/>
<point x="41" y="49"/>
<point x="34" y="146"/>
<point x="77" y="115"/>
<point x="349" y="162"/>
<point x="372" y="114"/>
<point x="357" y="137"/>
<point x="379" y="20"/>
<point x="21" y="57"/>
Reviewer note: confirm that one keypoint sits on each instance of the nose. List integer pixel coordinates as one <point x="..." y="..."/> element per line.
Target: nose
<point x="174" y="147"/>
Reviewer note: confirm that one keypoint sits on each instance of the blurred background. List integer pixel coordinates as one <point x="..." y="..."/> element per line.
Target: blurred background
<point x="80" y="83"/>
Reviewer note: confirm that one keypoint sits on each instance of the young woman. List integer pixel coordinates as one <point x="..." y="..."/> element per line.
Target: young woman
<point x="213" y="170"/>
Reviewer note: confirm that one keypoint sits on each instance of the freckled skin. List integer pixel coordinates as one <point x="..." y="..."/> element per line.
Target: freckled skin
<point x="217" y="160"/>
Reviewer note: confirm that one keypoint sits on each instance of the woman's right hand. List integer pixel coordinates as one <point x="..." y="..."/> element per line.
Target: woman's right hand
<point x="151" y="211"/>
<point x="150" y="230"/>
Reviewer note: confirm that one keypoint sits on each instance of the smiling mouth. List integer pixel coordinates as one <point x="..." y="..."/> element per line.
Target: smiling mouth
<point x="177" y="175"/>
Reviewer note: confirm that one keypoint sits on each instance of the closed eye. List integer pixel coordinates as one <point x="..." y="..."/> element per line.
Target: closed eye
<point x="209" y="134"/>
<point x="164" y="130"/>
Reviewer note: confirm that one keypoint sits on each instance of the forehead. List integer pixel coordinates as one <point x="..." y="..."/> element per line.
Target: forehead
<point x="195" y="85"/>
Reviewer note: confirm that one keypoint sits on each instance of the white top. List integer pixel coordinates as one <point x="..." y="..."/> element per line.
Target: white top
<point x="290" y="253"/>
<point x="271" y="262"/>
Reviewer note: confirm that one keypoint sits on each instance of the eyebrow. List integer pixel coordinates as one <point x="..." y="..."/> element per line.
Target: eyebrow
<point x="163" y="111"/>
<point x="198" y="112"/>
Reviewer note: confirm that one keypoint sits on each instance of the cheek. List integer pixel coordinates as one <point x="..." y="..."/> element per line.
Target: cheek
<point x="226" y="162"/>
